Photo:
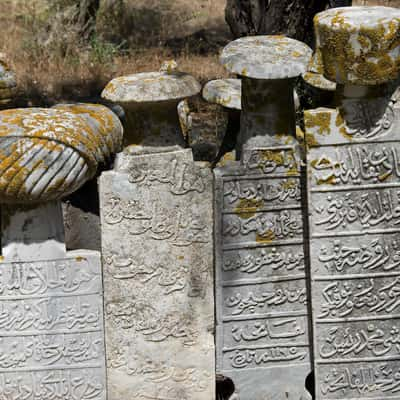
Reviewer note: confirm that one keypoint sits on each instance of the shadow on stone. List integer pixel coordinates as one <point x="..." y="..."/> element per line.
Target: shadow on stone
<point x="225" y="388"/>
<point x="310" y="384"/>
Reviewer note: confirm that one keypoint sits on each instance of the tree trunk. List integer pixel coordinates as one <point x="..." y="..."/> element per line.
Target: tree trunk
<point x="293" y="18"/>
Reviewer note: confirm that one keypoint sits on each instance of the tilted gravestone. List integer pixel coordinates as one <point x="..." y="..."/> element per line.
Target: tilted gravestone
<point x="262" y="322"/>
<point x="354" y="207"/>
<point x="51" y="324"/>
<point x="156" y="213"/>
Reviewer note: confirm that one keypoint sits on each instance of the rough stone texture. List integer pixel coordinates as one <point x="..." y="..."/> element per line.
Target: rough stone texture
<point x="266" y="57"/>
<point x="262" y="324"/>
<point x="225" y="92"/>
<point x="8" y="84"/>
<point x="52" y="337"/>
<point x="358" y="45"/>
<point x="150" y="102"/>
<point x="318" y="81"/>
<point x="354" y="216"/>
<point x="156" y="212"/>
<point x="148" y="87"/>
<point x="46" y="154"/>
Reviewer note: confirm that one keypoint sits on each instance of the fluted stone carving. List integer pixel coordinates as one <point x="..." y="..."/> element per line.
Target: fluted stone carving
<point x="46" y="154"/>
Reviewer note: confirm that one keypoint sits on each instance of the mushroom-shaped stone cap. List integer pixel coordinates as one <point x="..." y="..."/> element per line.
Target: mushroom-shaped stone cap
<point x="226" y="92"/>
<point x="46" y="154"/>
<point x="148" y="87"/>
<point x="358" y="45"/>
<point x="319" y="81"/>
<point x="266" y="57"/>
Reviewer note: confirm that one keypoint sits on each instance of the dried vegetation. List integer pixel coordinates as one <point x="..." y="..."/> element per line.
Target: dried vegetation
<point x="53" y="63"/>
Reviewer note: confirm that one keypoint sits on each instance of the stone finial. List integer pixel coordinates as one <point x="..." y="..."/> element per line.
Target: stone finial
<point x="225" y="92"/>
<point x="266" y="57"/>
<point x="150" y="101"/>
<point x="46" y="154"/>
<point x="8" y="83"/>
<point x="150" y="87"/>
<point x="358" y="45"/>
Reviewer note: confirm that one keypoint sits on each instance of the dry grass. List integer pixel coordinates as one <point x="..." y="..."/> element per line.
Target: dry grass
<point x="53" y="64"/>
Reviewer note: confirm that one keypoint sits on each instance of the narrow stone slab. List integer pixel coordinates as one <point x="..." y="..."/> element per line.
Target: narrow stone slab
<point x="51" y="329"/>
<point x="262" y="323"/>
<point x="156" y="211"/>
<point x="354" y="209"/>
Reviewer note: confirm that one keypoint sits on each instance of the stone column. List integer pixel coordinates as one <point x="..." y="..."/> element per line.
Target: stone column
<point x="262" y="319"/>
<point x="354" y="207"/>
<point x="51" y="301"/>
<point x="156" y="213"/>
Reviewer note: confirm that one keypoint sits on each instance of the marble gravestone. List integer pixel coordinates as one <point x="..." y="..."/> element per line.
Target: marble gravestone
<point x="156" y="213"/>
<point x="262" y="321"/>
<point x="354" y="207"/>
<point x="51" y="318"/>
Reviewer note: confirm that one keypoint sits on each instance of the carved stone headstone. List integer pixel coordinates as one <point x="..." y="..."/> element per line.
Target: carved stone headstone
<point x="51" y="301"/>
<point x="354" y="181"/>
<point x="262" y="322"/>
<point x="156" y="212"/>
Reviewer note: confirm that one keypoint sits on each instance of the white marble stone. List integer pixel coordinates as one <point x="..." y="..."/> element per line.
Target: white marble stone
<point x="354" y="215"/>
<point x="261" y="295"/>
<point x="266" y="57"/>
<point x="156" y="212"/>
<point x="51" y="301"/>
<point x="51" y="329"/>
<point x="225" y="92"/>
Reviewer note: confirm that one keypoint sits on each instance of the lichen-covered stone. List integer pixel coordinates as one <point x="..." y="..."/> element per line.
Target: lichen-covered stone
<point x="46" y="154"/>
<point x="8" y="83"/>
<point x="266" y="57"/>
<point x="358" y="45"/>
<point x="151" y="87"/>
<point x="225" y="92"/>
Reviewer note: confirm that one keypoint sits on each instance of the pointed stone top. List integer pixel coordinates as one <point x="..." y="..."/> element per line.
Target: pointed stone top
<point x="266" y="57"/>
<point x="147" y="87"/>
<point x="358" y="45"/>
<point x="46" y="154"/>
<point x="225" y="92"/>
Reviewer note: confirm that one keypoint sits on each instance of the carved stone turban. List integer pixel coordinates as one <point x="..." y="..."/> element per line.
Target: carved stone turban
<point x="46" y="154"/>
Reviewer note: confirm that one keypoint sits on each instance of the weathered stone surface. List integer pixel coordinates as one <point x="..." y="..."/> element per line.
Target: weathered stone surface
<point x="262" y="323"/>
<point x="358" y="45"/>
<point x="156" y="212"/>
<point x="52" y="338"/>
<point x="262" y="326"/>
<point x="150" y="102"/>
<point x="151" y="87"/>
<point x="354" y="216"/>
<point x="46" y="154"/>
<point x="266" y="57"/>
<point x="225" y="92"/>
<point x="8" y="84"/>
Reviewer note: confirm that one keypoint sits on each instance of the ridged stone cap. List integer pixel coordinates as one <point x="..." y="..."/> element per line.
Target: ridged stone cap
<point x="225" y="92"/>
<point x="147" y="87"/>
<point x="266" y="57"/>
<point x="46" y="154"/>
<point x="358" y="45"/>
